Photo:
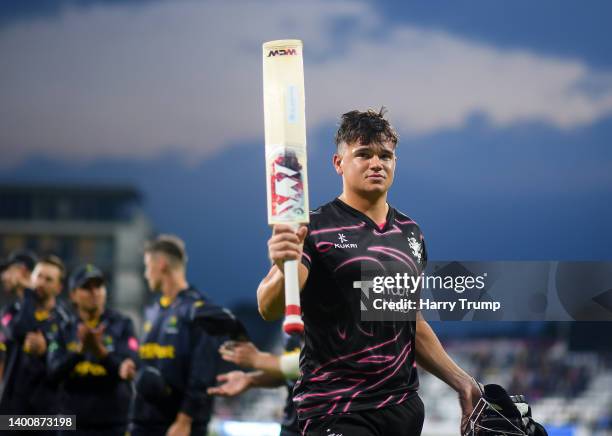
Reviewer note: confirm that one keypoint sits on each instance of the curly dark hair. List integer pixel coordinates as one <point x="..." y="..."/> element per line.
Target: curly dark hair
<point x="365" y="127"/>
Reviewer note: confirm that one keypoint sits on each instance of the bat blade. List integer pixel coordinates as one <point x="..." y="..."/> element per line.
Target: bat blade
<point x="285" y="127"/>
<point x="286" y="166"/>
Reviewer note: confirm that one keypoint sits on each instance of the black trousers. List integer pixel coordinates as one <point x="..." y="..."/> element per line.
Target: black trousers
<point x="405" y="419"/>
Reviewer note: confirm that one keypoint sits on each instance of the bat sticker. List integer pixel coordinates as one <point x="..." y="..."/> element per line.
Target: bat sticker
<point x="292" y="101"/>
<point x="287" y="185"/>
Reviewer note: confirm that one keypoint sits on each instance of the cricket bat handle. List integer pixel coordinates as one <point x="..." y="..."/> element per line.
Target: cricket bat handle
<point x="293" y="313"/>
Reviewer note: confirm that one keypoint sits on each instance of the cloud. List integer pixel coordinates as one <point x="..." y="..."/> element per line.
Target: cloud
<point x="110" y="81"/>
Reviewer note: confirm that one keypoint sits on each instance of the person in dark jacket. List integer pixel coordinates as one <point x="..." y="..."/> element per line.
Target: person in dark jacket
<point x="15" y="274"/>
<point x="178" y="359"/>
<point x="28" y="390"/>
<point x="85" y="355"/>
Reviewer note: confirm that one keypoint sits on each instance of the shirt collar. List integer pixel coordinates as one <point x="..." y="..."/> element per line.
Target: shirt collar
<point x="389" y="219"/>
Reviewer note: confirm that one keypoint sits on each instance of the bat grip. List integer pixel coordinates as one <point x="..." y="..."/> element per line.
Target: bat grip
<point x="293" y="313"/>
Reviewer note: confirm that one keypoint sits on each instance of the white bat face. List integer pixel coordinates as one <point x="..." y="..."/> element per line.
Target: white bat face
<point x="285" y="126"/>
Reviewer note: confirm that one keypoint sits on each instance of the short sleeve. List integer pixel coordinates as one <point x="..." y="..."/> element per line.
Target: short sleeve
<point x="308" y="251"/>
<point x="423" y="253"/>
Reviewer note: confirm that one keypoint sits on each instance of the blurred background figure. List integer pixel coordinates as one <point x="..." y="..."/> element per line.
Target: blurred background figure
<point x="28" y="389"/>
<point x="16" y="276"/>
<point x="178" y="360"/>
<point x="85" y="355"/>
<point x="16" y="272"/>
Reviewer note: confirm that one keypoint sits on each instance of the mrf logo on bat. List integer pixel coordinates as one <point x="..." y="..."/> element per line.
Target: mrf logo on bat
<point x="283" y="52"/>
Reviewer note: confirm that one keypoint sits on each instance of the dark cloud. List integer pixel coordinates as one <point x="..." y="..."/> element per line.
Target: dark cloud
<point x="16" y="11"/>
<point x="571" y="28"/>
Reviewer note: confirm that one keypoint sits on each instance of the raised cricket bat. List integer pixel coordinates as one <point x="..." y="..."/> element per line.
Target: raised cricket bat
<point x="285" y="125"/>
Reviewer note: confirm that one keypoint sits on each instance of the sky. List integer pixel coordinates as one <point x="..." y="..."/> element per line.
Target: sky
<point x="504" y="111"/>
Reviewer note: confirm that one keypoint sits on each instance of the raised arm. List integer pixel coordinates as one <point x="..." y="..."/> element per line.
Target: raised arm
<point x="285" y="244"/>
<point x="22" y="321"/>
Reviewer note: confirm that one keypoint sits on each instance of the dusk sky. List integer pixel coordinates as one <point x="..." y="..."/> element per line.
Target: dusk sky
<point x="504" y="110"/>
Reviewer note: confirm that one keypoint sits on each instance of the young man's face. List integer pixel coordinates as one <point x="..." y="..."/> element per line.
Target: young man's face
<point x="9" y="279"/>
<point x="154" y="265"/>
<point x="91" y="297"/>
<point x="47" y="280"/>
<point x="366" y="169"/>
<point x="14" y="277"/>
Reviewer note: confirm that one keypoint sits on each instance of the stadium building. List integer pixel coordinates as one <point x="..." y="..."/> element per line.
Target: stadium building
<point x="104" y="225"/>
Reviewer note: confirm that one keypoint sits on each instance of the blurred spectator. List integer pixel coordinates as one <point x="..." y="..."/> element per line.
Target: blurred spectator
<point x="85" y="356"/>
<point x="28" y="390"/>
